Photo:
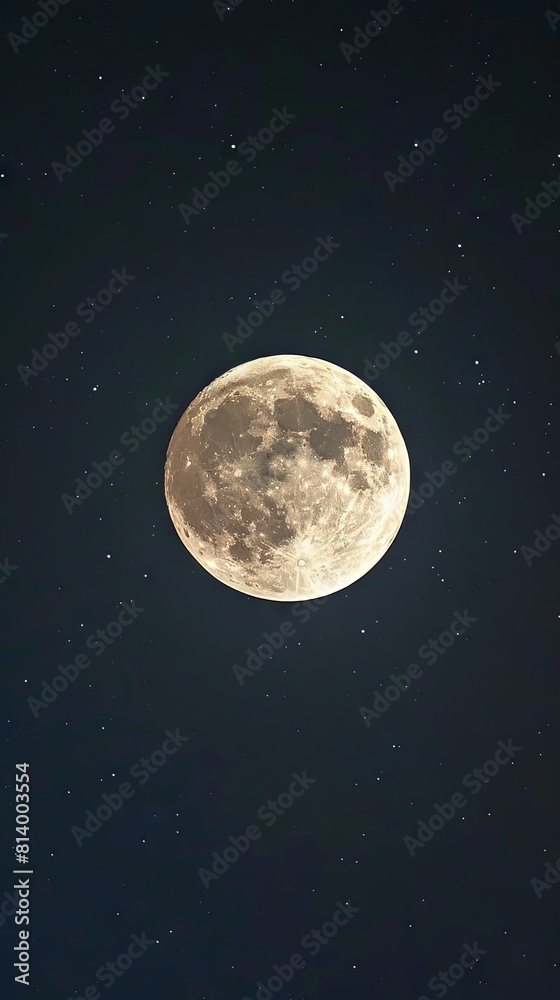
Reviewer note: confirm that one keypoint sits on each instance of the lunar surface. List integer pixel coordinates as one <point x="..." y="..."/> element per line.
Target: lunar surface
<point x="287" y="478"/>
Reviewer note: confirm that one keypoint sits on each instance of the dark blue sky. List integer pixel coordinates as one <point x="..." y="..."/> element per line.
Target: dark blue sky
<point x="165" y="285"/>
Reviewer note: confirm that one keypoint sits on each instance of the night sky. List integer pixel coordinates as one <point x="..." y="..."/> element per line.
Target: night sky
<point x="416" y="849"/>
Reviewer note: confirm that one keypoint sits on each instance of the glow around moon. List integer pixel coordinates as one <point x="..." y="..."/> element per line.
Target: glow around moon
<point x="287" y="478"/>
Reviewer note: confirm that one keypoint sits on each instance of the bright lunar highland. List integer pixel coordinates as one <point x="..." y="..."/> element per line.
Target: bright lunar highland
<point x="287" y="478"/>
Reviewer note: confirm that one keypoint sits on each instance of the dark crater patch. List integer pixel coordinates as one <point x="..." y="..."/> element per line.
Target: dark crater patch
<point x="273" y="522"/>
<point x="187" y="490"/>
<point x="249" y="546"/>
<point x="241" y="552"/>
<point x="296" y="414"/>
<point x="261" y="479"/>
<point x="225" y="428"/>
<point x="329" y="439"/>
<point x="364" y="406"/>
<point x="358" y="481"/>
<point x="373" y="446"/>
<point x="281" y="447"/>
<point x="278" y="375"/>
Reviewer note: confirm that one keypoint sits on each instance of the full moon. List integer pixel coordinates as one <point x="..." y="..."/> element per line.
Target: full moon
<point x="287" y="478"/>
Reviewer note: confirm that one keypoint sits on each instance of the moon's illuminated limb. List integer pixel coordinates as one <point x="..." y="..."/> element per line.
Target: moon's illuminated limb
<point x="287" y="478"/>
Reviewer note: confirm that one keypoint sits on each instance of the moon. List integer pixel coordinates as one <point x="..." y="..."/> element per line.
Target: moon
<point x="287" y="478"/>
